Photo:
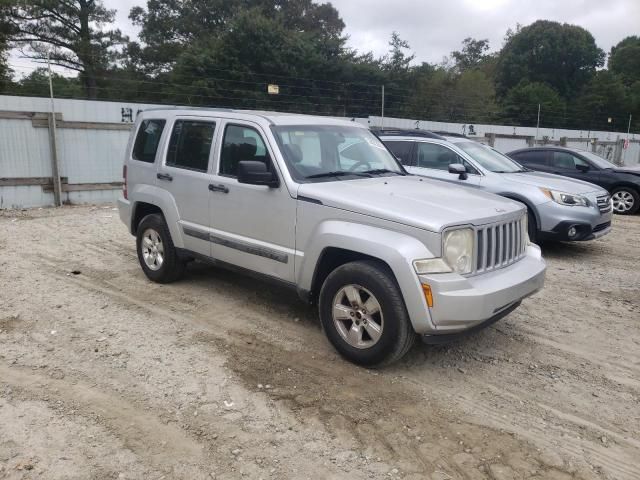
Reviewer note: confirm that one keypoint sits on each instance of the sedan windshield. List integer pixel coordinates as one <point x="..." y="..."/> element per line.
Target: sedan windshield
<point x="489" y="158"/>
<point x="333" y="152"/>
<point x="597" y="160"/>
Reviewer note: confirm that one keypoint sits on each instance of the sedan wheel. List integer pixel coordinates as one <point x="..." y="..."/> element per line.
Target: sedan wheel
<point x="624" y="201"/>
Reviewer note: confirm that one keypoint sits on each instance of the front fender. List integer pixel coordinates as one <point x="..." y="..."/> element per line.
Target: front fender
<point x="164" y="200"/>
<point x="396" y="249"/>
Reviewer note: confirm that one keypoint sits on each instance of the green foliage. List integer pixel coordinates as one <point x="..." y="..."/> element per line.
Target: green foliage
<point x="37" y="84"/>
<point x="472" y="55"/>
<point x="520" y="106"/>
<point x="563" y="56"/>
<point x="605" y="96"/>
<point x="624" y="59"/>
<point x="69" y="32"/>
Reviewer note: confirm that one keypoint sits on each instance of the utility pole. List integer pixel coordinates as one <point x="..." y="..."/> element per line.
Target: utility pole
<point x="55" y="172"/>
<point x="382" y="122"/>
<point x="538" y="124"/>
<point x="624" y="154"/>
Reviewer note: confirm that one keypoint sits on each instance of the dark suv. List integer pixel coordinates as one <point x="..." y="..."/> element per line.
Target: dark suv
<point x="622" y="182"/>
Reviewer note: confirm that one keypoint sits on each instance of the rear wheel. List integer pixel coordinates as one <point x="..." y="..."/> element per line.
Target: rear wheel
<point x="157" y="255"/>
<point x="363" y="314"/>
<point x="626" y="201"/>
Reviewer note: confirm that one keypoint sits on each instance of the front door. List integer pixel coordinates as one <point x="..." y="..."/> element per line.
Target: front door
<point x="433" y="160"/>
<point x="184" y="173"/>
<point x="569" y="165"/>
<point x="252" y="226"/>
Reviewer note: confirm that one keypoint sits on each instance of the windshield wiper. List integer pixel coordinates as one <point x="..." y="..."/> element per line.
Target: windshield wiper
<point x="337" y="173"/>
<point x="377" y="171"/>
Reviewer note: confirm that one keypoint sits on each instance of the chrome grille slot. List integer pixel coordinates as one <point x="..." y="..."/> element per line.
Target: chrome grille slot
<point x="499" y="245"/>
<point x="604" y="203"/>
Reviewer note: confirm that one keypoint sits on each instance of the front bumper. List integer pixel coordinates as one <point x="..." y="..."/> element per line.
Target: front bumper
<point x="556" y="220"/>
<point x="461" y="303"/>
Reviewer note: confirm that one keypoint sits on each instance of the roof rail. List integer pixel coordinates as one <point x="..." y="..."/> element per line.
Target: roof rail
<point x="400" y="132"/>
<point x="450" y="134"/>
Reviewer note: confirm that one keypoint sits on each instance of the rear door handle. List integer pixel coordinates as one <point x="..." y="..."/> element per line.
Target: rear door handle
<point x="165" y="176"/>
<point x="218" y="188"/>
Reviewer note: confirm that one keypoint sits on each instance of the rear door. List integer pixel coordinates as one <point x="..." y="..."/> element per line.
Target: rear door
<point x="534" y="160"/>
<point x="433" y="160"/>
<point x="184" y="172"/>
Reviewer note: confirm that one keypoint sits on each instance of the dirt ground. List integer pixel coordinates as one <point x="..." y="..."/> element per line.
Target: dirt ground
<point x="104" y="375"/>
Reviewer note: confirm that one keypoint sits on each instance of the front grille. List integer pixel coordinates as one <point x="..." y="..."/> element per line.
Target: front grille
<point x="600" y="227"/>
<point x="604" y="203"/>
<point x="499" y="245"/>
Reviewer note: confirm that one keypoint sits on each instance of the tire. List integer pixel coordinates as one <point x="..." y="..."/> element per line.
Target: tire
<point x="358" y="343"/>
<point x="157" y="255"/>
<point x="626" y="201"/>
<point x="532" y="226"/>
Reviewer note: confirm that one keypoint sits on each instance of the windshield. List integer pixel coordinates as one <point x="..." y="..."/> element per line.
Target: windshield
<point x="489" y="158"/>
<point x="598" y="160"/>
<point x="333" y="152"/>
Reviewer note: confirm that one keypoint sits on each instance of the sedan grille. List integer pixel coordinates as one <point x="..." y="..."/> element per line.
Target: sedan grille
<point x="604" y="203"/>
<point x="500" y="244"/>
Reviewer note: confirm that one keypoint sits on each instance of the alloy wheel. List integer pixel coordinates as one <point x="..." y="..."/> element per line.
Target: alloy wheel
<point x="357" y="316"/>
<point x="152" y="249"/>
<point x="623" y="201"/>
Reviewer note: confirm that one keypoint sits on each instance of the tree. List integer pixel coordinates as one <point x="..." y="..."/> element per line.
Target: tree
<point x="5" y="71"/>
<point x="72" y="32"/>
<point x="604" y="97"/>
<point x="397" y="61"/>
<point x="473" y="53"/>
<point x="37" y="84"/>
<point x="168" y="26"/>
<point x="563" y="56"/>
<point x="520" y="105"/>
<point x="624" y="59"/>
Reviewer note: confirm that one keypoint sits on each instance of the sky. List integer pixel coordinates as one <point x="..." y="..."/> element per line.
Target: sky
<point x="434" y="28"/>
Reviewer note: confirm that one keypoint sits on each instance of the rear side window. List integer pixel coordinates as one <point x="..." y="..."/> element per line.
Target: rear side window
<point x="402" y="150"/>
<point x="147" y="140"/>
<point x="190" y="145"/>
<point x="531" y="158"/>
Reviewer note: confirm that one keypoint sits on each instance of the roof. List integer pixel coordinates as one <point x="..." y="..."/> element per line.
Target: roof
<point x="400" y="132"/>
<point x="274" y="118"/>
<point x="549" y="147"/>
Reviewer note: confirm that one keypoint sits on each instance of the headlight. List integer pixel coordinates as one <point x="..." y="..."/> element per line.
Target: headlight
<point x="457" y="254"/>
<point x="458" y="249"/>
<point x="564" y="198"/>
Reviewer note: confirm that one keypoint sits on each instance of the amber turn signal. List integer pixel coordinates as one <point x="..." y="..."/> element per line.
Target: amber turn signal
<point x="426" y="289"/>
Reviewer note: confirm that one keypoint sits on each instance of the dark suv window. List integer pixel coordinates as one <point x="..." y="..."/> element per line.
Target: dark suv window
<point x="147" y="140"/>
<point x="240" y="144"/>
<point x="190" y="145"/>
<point x="531" y="158"/>
<point x="402" y="150"/>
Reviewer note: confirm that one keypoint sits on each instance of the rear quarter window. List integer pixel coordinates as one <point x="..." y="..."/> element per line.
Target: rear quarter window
<point x="147" y="140"/>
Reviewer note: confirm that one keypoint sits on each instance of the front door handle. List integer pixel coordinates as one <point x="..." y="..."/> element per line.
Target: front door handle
<point x="218" y="188"/>
<point x="165" y="176"/>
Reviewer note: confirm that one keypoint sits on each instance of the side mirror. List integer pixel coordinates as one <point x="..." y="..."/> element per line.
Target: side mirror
<point x="458" y="169"/>
<point x="256" y="173"/>
<point x="582" y="168"/>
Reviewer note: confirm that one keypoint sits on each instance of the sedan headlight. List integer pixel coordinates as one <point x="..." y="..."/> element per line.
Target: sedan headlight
<point x="564" y="198"/>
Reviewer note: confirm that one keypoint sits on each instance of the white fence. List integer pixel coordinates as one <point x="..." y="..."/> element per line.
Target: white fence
<point x="91" y="138"/>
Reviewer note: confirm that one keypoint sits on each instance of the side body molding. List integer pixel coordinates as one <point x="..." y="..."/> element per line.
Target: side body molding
<point x="396" y="249"/>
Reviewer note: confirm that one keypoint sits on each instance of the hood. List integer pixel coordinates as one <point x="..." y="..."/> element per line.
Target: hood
<point x="635" y="170"/>
<point x="412" y="200"/>
<point x="553" y="182"/>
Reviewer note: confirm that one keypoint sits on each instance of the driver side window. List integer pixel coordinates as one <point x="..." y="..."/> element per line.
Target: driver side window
<point x="566" y="161"/>
<point x="241" y="143"/>
<point x="437" y="157"/>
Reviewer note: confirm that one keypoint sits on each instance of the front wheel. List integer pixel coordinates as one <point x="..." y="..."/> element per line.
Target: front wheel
<point x="363" y="314"/>
<point x="626" y="201"/>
